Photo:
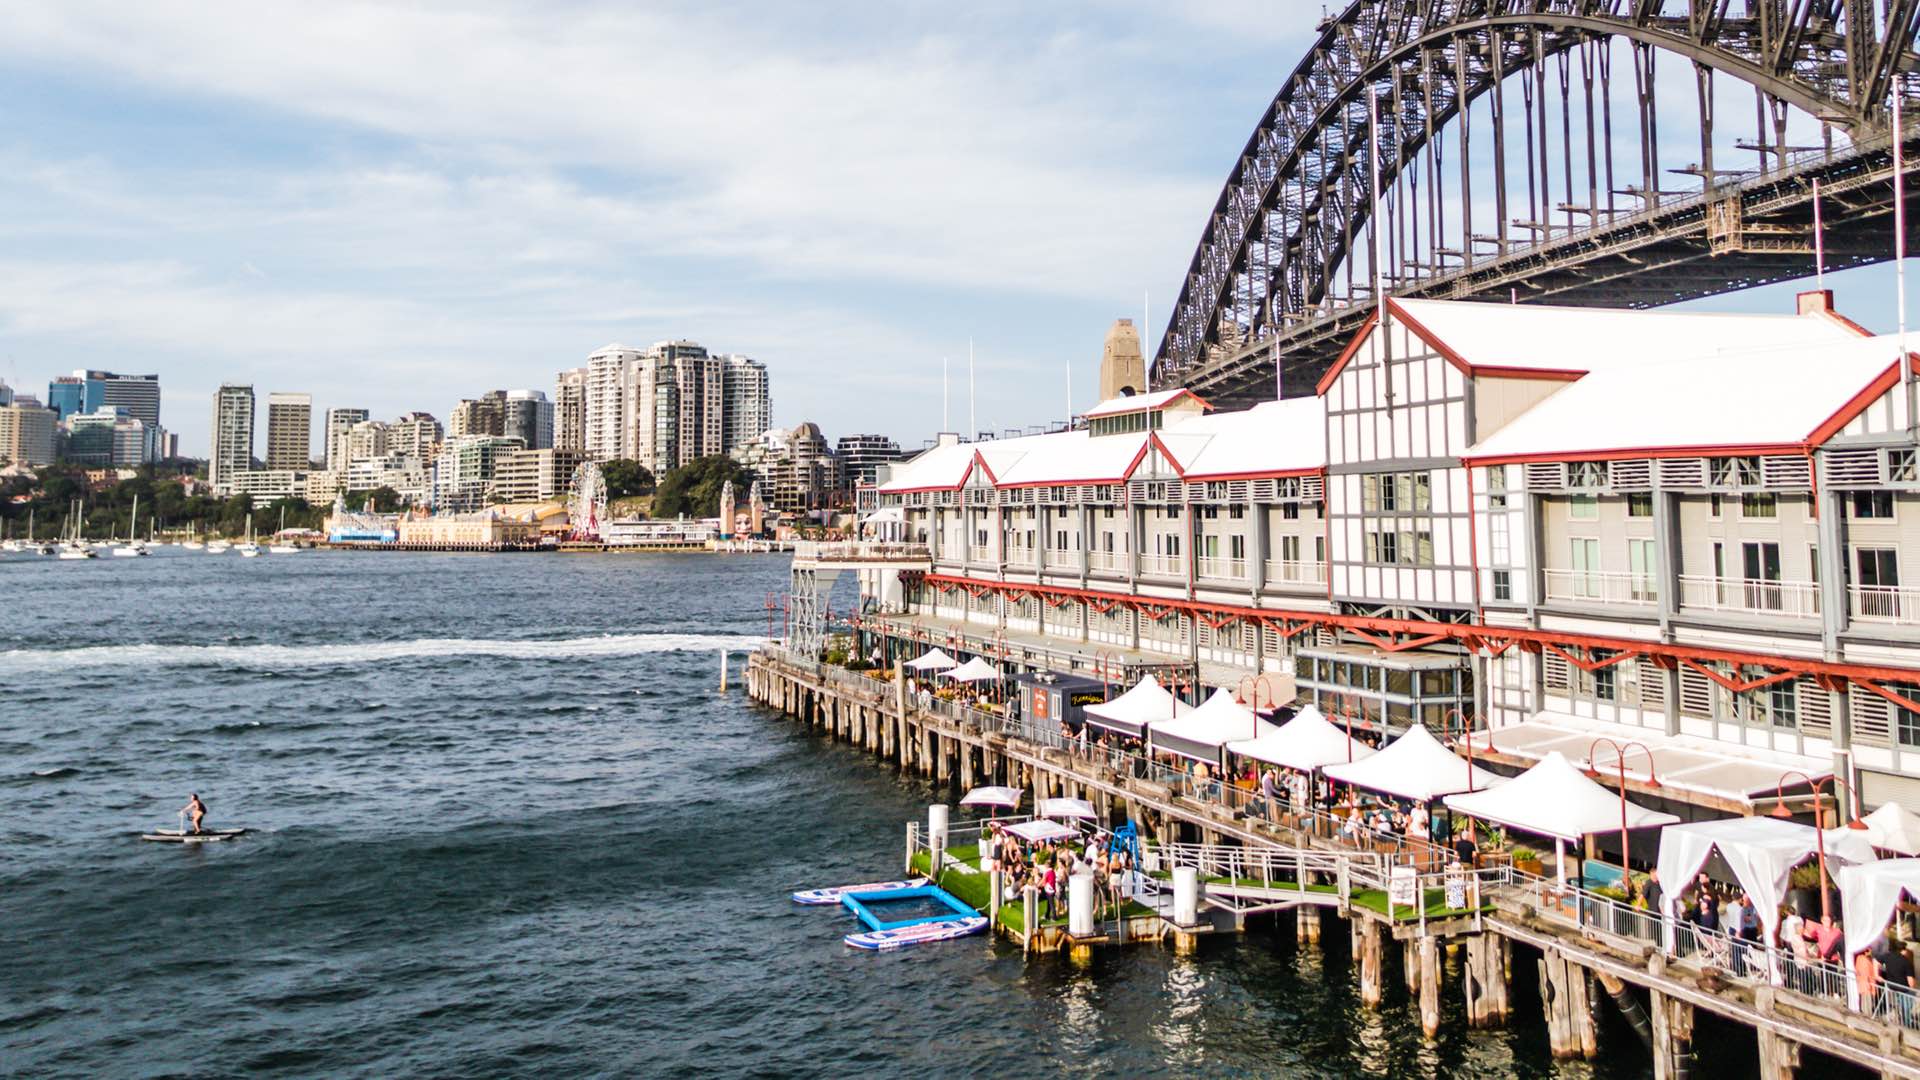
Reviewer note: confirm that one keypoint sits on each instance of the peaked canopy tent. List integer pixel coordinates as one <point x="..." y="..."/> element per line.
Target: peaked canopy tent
<point x="1066" y="808"/>
<point x="1761" y="851"/>
<point x="1894" y="828"/>
<point x="999" y="797"/>
<point x="1555" y="799"/>
<point x="1305" y="743"/>
<point x="1041" y="830"/>
<point x="1414" y="766"/>
<point x="974" y="670"/>
<point x="933" y="660"/>
<point x="1871" y="893"/>
<point x="1131" y="712"/>
<point x="1200" y="734"/>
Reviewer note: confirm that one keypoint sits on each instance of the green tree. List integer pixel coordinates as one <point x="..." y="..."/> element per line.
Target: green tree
<point x="693" y="490"/>
<point x="381" y="500"/>
<point x="626" y="478"/>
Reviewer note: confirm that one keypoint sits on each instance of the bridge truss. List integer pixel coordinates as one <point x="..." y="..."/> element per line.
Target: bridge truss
<point x="1505" y="173"/>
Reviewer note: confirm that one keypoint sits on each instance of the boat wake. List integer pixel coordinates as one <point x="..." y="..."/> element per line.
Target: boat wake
<point x="283" y="657"/>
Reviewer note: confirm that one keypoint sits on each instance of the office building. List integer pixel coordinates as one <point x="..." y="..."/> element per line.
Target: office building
<point x="570" y="410"/>
<point x="67" y="396"/>
<point x="231" y="451"/>
<point x="339" y="422"/>
<point x="527" y="415"/>
<point x="860" y="456"/>
<point x="26" y="432"/>
<point x="290" y="431"/>
<point x="139" y="395"/>
<point x="111" y="437"/>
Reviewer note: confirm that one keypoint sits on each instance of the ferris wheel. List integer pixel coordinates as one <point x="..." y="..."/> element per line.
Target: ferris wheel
<point x="587" y="507"/>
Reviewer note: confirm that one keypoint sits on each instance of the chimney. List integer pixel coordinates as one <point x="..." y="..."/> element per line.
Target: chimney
<point x="1815" y="302"/>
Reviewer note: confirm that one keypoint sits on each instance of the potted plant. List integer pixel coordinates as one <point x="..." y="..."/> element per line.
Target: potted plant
<point x="1527" y="861"/>
<point x="1803" y="890"/>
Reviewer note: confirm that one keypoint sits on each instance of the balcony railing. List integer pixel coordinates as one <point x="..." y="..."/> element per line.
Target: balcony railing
<point x="1794" y="599"/>
<point x="860" y="551"/>
<point x="1223" y="569"/>
<point x="1162" y="565"/>
<point x="1280" y="572"/>
<point x="981" y="553"/>
<point x="1019" y="556"/>
<point x="1886" y="603"/>
<point x="1107" y="560"/>
<point x="1600" y="587"/>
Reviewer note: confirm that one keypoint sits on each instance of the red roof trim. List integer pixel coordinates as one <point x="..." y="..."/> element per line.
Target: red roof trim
<point x="1638" y="452"/>
<point x="1184" y="393"/>
<point x="1859" y="402"/>
<point x="1272" y="474"/>
<point x="1359" y="336"/>
<point x="1846" y="322"/>
<point x="1560" y="374"/>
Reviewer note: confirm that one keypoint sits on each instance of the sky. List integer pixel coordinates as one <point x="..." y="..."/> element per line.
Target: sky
<point x="397" y="206"/>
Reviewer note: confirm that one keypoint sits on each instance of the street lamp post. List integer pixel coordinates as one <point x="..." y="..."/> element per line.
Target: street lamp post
<point x="1466" y="739"/>
<point x="1819" y="830"/>
<point x="1620" y="765"/>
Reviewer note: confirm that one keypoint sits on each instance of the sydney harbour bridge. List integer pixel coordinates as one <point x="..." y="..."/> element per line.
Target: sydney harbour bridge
<point x="1624" y="153"/>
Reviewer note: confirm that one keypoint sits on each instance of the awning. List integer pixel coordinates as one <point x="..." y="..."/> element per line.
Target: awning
<point x="1684" y="764"/>
<point x="1066" y="808"/>
<point x="1761" y="851"/>
<point x="886" y="515"/>
<point x="974" y="670"/>
<point x="1414" y="766"/>
<point x="1555" y="799"/>
<point x="1131" y="712"/>
<point x="1306" y="742"/>
<point x="933" y="660"/>
<point x="992" y="796"/>
<point x="1200" y="733"/>
<point x="1894" y="828"/>
<point x="1870" y="894"/>
<point x="1041" y="830"/>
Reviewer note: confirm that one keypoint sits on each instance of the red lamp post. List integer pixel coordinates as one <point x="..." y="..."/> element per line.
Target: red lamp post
<point x="1819" y="830"/>
<point x="1620" y="765"/>
<point x="1466" y="739"/>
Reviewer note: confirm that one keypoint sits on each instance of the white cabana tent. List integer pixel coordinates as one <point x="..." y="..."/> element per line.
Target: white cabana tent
<point x="1869" y="894"/>
<point x="1850" y="845"/>
<point x="933" y="660"/>
<point x="1894" y="828"/>
<point x="1414" y="766"/>
<point x="1306" y="742"/>
<point x="1002" y="797"/>
<point x="974" y="670"/>
<point x="1041" y="830"/>
<point x="1200" y="733"/>
<point x="1131" y="712"/>
<point x="1555" y="799"/>
<point x="1066" y="808"/>
<point x="1761" y="851"/>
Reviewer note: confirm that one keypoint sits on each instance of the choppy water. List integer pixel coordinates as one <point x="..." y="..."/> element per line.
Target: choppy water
<point x="505" y="827"/>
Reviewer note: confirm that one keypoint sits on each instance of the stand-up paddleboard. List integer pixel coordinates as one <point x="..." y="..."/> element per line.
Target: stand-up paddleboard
<point x="918" y="934"/>
<point x="176" y="836"/>
<point x="814" y="897"/>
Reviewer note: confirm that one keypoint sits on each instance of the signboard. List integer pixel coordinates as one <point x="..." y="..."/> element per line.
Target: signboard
<point x="1403" y="887"/>
<point x="1042" y="703"/>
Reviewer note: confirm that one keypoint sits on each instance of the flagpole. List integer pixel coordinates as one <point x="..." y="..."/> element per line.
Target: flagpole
<point x="973" y="411"/>
<point x="1819" y="242"/>
<point x="946" y="412"/>
<point x="1900" y="255"/>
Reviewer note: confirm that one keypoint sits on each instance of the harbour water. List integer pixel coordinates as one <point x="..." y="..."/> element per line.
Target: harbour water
<point x="504" y="825"/>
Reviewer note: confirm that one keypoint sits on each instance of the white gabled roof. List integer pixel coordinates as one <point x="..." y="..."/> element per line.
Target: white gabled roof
<point x="1274" y="436"/>
<point x="1747" y="398"/>
<point x="1555" y="799"/>
<point x="1131" y="403"/>
<point x="1414" y="766"/>
<point x="1547" y="338"/>
<point x="1075" y="457"/>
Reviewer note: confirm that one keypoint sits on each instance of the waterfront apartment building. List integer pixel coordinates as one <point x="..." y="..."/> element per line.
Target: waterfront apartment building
<point x="570" y="410"/>
<point x="339" y="422"/>
<point x="611" y="373"/>
<point x="26" y="431"/>
<point x="1683" y="530"/>
<point x="289" y="431"/>
<point x="405" y="473"/>
<point x="231" y="450"/>
<point x="522" y="476"/>
<point x="747" y="412"/>
<point x="527" y="415"/>
<point x="366" y="440"/>
<point x="417" y="434"/>
<point x="463" y="473"/>
<point x="859" y="457"/>
<point x="484" y="415"/>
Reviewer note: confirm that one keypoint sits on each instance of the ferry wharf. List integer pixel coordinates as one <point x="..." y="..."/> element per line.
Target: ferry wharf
<point x="1588" y="953"/>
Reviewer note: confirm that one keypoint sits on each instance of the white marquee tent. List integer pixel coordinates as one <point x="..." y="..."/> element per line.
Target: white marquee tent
<point x="1040" y="830"/>
<point x="933" y="660"/>
<point x="1066" y="808"/>
<point x="1414" y="766"/>
<point x="1761" y="851"/>
<point x="1894" y="828"/>
<point x="1869" y="894"/>
<point x="1306" y="742"/>
<point x="1131" y="712"/>
<point x="974" y="670"/>
<point x="1200" y="733"/>
<point x="1555" y="799"/>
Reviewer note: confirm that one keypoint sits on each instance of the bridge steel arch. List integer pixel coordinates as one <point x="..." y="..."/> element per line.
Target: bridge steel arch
<point x="1299" y="199"/>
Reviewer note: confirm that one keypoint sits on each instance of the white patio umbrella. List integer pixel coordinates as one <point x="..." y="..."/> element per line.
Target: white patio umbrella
<point x="1040" y="830"/>
<point x="1066" y="808"/>
<point x="933" y="660"/>
<point x="1004" y="798"/>
<point x="974" y="670"/>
